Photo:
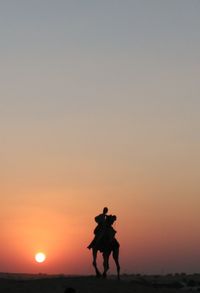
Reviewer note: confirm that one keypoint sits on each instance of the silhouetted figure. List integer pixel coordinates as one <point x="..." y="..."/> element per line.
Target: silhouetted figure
<point x="108" y="240"/>
<point x="107" y="244"/>
<point x="99" y="230"/>
<point x="70" y="290"/>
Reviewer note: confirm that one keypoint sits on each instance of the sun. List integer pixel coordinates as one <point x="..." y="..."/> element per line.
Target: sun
<point x="40" y="257"/>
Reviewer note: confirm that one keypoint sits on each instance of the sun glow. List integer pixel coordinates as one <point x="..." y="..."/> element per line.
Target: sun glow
<point x="40" y="257"/>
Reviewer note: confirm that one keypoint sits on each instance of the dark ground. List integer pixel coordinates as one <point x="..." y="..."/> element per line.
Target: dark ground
<point x="15" y="283"/>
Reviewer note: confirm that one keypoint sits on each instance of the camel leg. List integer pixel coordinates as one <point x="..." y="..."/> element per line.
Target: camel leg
<point x="94" y="252"/>
<point x="105" y="263"/>
<point x="116" y="259"/>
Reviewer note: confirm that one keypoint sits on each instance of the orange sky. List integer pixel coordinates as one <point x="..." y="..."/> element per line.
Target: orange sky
<point x="99" y="106"/>
<point x="59" y="222"/>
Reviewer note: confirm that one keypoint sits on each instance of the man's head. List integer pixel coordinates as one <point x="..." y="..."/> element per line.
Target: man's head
<point x="105" y="210"/>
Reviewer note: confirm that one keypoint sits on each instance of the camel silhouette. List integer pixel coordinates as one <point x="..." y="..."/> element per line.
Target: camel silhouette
<point x="106" y="245"/>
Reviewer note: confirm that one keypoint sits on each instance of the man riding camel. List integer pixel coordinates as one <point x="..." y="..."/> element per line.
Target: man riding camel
<point x="105" y="242"/>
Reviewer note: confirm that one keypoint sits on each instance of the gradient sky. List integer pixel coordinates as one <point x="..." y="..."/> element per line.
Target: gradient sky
<point x="99" y="106"/>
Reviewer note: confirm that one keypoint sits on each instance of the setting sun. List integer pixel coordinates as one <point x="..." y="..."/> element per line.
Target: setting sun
<point x="40" y="257"/>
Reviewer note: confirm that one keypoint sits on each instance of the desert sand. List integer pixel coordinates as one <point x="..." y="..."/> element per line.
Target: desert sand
<point x="89" y="284"/>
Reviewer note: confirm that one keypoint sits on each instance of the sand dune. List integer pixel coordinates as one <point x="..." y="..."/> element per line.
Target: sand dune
<point x="129" y="284"/>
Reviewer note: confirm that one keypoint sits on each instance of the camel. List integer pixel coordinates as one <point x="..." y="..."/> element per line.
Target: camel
<point x="107" y="245"/>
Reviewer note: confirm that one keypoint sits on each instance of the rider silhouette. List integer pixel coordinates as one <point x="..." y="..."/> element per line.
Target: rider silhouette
<point x="99" y="230"/>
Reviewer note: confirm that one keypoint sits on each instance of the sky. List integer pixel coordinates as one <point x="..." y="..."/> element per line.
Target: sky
<point x="99" y="106"/>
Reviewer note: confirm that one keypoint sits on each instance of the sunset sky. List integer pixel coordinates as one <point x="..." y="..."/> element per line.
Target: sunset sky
<point x="99" y="106"/>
